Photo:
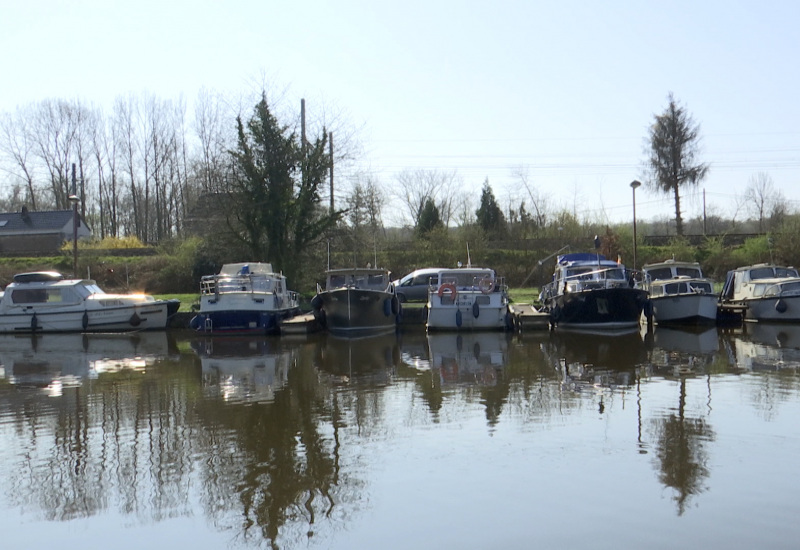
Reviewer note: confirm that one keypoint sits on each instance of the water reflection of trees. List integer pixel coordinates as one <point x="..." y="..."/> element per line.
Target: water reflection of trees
<point x="271" y="466"/>
<point x="680" y="443"/>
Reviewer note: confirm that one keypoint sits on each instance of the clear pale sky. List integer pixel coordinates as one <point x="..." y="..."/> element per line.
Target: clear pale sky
<point x="564" y="89"/>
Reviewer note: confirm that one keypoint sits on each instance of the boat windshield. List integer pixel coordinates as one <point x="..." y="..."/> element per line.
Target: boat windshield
<point x="786" y="289"/>
<point x="596" y="273"/>
<point x="660" y="273"/>
<point x="375" y="281"/>
<point x="772" y="273"/>
<point x="691" y="272"/>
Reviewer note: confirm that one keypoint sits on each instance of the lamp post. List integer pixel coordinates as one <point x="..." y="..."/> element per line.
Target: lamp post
<point x="74" y="200"/>
<point x="634" y="185"/>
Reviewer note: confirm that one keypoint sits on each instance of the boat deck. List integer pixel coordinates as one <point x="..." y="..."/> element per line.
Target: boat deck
<point x="526" y="316"/>
<point x="305" y="323"/>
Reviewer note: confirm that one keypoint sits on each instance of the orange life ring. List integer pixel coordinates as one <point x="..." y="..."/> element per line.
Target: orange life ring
<point x="486" y="285"/>
<point x="449" y="287"/>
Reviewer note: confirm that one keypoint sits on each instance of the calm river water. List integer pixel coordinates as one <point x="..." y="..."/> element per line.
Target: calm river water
<point x="542" y="440"/>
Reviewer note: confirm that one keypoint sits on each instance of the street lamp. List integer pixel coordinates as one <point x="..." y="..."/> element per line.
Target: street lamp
<point x="634" y="185"/>
<point x="74" y="200"/>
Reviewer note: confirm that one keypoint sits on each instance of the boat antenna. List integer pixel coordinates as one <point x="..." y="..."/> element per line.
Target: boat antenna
<point x="559" y="251"/>
<point x="543" y="260"/>
<point x="597" y="248"/>
<point x="329" y="254"/>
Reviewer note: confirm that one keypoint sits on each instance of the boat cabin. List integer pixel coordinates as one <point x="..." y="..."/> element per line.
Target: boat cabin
<point x="671" y="278"/>
<point x="363" y="278"/>
<point x="243" y="277"/>
<point x="673" y="270"/>
<point x="48" y="288"/>
<point x="584" y="271"/>
<point x="761" y="281"/>
<point x="465" y="279"/>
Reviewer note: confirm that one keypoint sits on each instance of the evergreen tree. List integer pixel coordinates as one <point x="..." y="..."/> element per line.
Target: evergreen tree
<point x="490" y="216"/>
<point x="275" y="191"/>
<point x="428" y="218"/>
<point x="674" y="146"/>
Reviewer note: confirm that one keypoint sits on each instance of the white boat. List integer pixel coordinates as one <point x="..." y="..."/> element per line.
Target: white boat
<point x="244" y="298"/>
<point x="590" y="292"/>
<point x="45" y="301"/>
<point x="357" y="302"/>
<point x="468" y="298"/>
<point x="679" y="293"/>
<point x="765" y="292"/>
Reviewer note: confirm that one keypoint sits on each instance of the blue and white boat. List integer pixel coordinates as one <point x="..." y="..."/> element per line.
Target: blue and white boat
<point x="244" y="298"/>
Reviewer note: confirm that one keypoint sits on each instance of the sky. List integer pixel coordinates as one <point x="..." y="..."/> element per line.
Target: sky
<point x="563" y="92"/>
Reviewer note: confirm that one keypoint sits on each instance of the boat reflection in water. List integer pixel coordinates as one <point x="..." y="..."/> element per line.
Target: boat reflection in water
<point x="55" y="361"/>
<point x="606" y="358"/>
<point x="683" y="351"/>
<point x="366" y="360"/>
<point x="243" y="369"/>
<point x="468" y="357"/>
<point x="768" y="346"/>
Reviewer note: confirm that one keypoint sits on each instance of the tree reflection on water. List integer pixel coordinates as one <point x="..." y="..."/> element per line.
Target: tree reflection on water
<point x="273" y="439"/>
<point x="680" y="443"/>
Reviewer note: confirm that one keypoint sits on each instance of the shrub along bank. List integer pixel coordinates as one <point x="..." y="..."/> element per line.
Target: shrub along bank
<point x="176" y="267"/>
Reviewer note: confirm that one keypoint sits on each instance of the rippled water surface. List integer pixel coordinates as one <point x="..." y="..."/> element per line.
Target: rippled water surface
<point x="677" y="439"/>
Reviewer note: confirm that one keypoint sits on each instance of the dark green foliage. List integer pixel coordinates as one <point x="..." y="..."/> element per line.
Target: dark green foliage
<point x="489" y="215"/>
<point x="275" y="191"/>
<point x="429" y="218"/>
<point x="674" y="147"/>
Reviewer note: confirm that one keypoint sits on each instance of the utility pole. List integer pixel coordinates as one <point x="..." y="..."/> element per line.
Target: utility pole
<point x="704" y="211"/>
<point x="330" y="153"/>
<point x="303" y="125"/>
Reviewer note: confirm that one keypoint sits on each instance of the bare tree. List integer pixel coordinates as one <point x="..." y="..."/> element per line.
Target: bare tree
<point x="539" y="204"/>
<point x="761" y="199"/>
<point x="215" y="142"/>
<point x="16" y="146"/>
<point x="364" y="206"/>
<point x="416" y="187"/>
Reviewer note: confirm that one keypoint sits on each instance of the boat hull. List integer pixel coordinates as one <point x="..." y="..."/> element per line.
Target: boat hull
<point x="695" y="309"/>
<point x="238" y="321"/>
<point x="469" y="311"/>
<point x="784" y="309"/>
<point x="80" y="318"/>
<point x="357" y="311"/>
<point x="605" y="308"/>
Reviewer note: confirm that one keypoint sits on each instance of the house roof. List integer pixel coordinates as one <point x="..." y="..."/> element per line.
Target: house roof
<point x="51" y="221"/>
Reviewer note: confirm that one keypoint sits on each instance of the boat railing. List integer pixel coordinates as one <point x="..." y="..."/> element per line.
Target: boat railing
<point x="221" y="284"/>
<point x="483" y="284"/>
<point x="594" y="279"/>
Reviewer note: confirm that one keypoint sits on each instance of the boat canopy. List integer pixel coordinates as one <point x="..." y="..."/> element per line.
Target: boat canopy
<point x="38" y="277"/>
<point x="581" y="257"/>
